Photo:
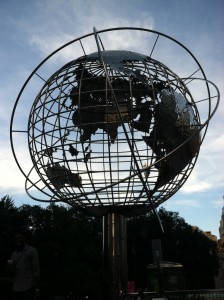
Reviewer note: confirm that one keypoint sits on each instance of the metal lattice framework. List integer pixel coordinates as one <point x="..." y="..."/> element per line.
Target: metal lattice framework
<point x="115" y="130"/>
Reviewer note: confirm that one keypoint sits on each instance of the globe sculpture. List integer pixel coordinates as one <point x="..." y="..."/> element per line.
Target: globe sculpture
<point x="114" y="132"/>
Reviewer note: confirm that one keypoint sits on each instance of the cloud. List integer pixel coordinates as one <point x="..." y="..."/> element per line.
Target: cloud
<point x="11" y="178"/>
<point x="218" y="203"/>
<point x="54" y="24"/>
<point x="195" y="185"/>
<point x="183" y="203"/>
<point x="186" y="203"/>
<point x="205" y="177"/>
<point x="207" y="173"/>
<point x="214" y="142"/>
<point x="125" y="39"/>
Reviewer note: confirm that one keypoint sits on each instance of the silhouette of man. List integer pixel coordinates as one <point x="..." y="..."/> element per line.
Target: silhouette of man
<point x="25" y="266"/>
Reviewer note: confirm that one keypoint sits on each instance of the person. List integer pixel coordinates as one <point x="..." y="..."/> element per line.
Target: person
<point x="25" y="266"/>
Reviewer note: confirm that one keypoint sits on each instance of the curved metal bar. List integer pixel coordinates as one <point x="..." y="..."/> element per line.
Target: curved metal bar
<point x="127" y="138"/>
<point x="153" y="164"/>
<point x="139" y="171"/>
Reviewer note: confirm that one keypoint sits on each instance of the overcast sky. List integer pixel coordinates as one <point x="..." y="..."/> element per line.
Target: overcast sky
<point x="31" y="30"/>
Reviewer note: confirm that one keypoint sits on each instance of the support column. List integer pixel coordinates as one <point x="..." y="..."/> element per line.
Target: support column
<point x="114" y="255"/>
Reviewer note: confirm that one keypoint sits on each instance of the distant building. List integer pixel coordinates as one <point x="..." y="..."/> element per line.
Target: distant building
<point x="219" y="280"/>
<point x="221" y="227"/>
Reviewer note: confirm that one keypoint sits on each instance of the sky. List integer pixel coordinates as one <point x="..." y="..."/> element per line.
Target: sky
<point x="31" y="30"/>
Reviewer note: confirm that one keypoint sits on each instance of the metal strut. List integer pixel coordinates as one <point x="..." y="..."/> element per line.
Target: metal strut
<point x="125" y="132"/>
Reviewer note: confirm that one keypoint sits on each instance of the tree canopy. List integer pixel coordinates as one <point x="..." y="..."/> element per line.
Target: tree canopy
<point x="181" y="243"/>
<point x="69" y="244"/>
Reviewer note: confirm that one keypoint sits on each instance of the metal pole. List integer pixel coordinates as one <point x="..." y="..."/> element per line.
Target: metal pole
<point x="114" y="255"/>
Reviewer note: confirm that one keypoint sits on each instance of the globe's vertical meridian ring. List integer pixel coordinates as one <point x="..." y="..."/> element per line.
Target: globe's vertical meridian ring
<point x="78" y="146"/>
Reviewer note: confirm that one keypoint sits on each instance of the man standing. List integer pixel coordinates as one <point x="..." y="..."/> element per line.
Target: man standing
<point x="25" y="266"/>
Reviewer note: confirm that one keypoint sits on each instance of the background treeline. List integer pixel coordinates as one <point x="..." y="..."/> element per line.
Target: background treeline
<point x="70" y="247"/>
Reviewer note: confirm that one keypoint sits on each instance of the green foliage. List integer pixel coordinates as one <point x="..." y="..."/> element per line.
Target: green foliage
<point x="10" y="222"/>
<point x="181" y="243"/>
<point x="70" y="246"/>
<point x="68" y="243"/>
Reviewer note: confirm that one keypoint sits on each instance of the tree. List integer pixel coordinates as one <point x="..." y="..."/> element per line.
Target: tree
<point x="69" y="243"/>
<point x="10" y="222"/>
<point x="181" y="243"/>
